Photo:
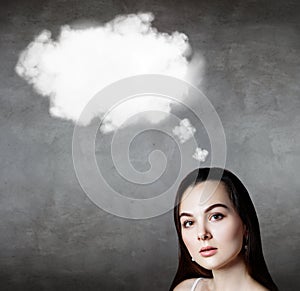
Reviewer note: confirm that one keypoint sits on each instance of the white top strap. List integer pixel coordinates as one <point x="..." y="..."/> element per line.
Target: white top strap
<point x="195" y="284"/>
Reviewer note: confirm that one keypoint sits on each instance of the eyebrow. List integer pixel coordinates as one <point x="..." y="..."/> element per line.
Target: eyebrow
<point x="206" y="210"/>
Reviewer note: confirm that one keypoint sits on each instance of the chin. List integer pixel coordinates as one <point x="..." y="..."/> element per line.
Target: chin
<point x="219" y="264"/>
<point x="210" y="266"/>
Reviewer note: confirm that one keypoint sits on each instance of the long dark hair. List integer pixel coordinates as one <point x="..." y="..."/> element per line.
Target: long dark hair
<point x="241" y="200"/>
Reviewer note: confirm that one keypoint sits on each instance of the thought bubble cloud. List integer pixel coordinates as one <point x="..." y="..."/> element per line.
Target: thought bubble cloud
<point x="200" y="154"/>
<point x="184" y="131"/>
<point x="81" y="62"/>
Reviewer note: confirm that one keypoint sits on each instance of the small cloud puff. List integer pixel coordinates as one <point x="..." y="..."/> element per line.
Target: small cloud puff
<point x="184" y="131"/>
<point x="200" y="154"/>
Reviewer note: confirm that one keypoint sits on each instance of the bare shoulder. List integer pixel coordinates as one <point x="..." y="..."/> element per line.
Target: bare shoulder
<point x="185" y="285"/>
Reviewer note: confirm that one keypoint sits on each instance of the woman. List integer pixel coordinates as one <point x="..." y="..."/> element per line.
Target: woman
<point x="219" y="237"/>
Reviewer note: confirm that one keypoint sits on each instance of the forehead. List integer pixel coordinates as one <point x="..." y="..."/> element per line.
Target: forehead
<point x="203" y="195"/>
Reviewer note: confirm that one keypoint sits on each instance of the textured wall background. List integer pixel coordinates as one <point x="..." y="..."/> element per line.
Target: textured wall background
<point x="52" y="237"/>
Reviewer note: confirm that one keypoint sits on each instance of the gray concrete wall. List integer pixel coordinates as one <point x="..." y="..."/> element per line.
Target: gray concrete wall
<point x="52" y="237"/>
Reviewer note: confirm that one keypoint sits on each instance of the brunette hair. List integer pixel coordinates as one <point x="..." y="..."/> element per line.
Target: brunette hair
<point x="241" y="200"/>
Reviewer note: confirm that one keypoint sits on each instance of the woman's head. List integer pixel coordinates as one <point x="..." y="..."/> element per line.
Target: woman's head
<point x="211" y="228"/>
<point x="199" y="191"/>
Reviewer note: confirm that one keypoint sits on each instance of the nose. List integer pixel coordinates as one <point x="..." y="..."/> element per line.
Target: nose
<point x="205" y="236"/>
<point x="204" y="233"/>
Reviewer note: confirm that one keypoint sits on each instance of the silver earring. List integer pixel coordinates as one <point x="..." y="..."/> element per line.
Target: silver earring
<point x="246" y="243"/>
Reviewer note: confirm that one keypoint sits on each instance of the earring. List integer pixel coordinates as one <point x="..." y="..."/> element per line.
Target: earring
<point x="193" y="259"/>
<point x="246" y="243"/>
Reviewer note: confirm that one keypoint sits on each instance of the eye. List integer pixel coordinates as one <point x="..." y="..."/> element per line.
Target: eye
<point x="216" y="217"/>
<point x="187" y="223"/>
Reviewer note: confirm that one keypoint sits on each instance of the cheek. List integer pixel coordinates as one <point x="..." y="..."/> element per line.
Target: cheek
<point x="233" y="232"/>
<point x="188" y="239"/>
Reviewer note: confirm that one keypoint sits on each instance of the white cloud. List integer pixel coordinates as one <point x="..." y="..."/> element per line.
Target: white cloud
<point x="81" y="62"/>
<point x="184" y="131"/>
<point x="200" y="154"/>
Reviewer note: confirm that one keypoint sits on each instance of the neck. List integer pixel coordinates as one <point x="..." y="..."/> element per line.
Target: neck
<point x="232" y="277"/>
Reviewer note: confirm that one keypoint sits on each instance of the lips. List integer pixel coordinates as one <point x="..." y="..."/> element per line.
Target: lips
<point x="208" y="251"/>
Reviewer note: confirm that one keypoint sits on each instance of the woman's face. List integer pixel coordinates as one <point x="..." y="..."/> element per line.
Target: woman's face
<point x="211" y="228"/>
